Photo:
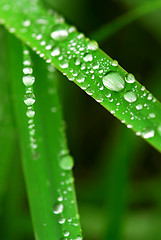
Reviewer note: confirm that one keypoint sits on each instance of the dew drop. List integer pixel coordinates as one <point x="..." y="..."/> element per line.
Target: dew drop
<point x="27" y="70"/>
<point x="55" y="52"/>
<point x="92" y="45"/>
<point x="148" y="134"/>
<point x="64" y="64"/>
<point x="66" y="162"/>
<point x="29" y="99"/>
<point x="114" y="63"/>
<point x="60" y="33"/>
<point x="130" y="97"/>
<point x="58" y="208"/>
<point x="62" y="220"/>
<point x="28" y="81"/>
<point x="30" y="113"/>
<point x="130" y="78"/>
<point x="139" y="106"/>
<point x="88" y="57"/>
<point x="66" y="233"/>
<point x="114" y="81"/>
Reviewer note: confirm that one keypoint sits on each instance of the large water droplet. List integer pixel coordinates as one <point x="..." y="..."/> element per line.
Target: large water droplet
<point x="60" y="33"/>
<point x="58" y="208"/>
<point x="114" y="81"/>
<point x="130" y="97"/>
<point x="66" y="162"/>
<point x="30" y="113"/>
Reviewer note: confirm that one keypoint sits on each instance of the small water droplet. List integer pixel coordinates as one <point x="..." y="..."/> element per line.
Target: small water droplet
<point x="66" y="233"/>
<point x="62" y="220"/>
<point x="148" y="134"/>
<point x="28" y="81"/>
<point x="114" y="81"/>
<point x="60" y="33"/>
<point x="58" y="208"/>
<point x="139" y="106"/>
<point x="114" y="63"/>
<point x="88" y="57"/>
<point x="64" y="64"/>
<point x="30" y="113"/>
<point x="130" y="97"/>
<point x="92" y="45"/>
<point x="29" y="99"/>
<point x="66" y="162"/>
<point x="130" y="78"/>
<point x="55" y="52"/>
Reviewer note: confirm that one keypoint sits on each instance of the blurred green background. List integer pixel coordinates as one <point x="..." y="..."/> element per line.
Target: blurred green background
<point x="117" y="175"/>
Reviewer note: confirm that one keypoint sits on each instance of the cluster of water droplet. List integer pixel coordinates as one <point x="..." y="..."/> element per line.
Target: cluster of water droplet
<point x="29" y="99"/>
<point x="97" y="74"/>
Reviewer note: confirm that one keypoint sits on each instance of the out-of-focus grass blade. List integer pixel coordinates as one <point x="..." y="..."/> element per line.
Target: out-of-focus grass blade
<point x="109" y="29"/>
<point x="6" y="121"/>
<point x="46" y="160"/>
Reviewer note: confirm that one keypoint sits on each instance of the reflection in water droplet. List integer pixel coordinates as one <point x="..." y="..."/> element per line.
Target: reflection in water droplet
<point x="114" y="81"/>
<point x="130" y="97"/>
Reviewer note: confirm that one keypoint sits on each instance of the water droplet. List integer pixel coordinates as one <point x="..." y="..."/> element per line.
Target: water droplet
<point x="66" y="233"/>
<point x="60" y="33"/>
<point x="80" y="78"/>
<point x="92" y="45"/>
<point x="114" y="81"/>
<point x="55" y="52"/>
<point x="139" y="106"/>
<point x="130" y="78"/>
<point x="78" y="238"/>
<point x="58" y="208"/>
<point x="159" y="130"/>
<point x="29" y="99"/>
<point x="66" y="162"/>
<point x="64" y="64"/>
<point x="88" y="57"/>
<point x="130" y="97"/>
<point x="28" y="80"/>
<point x="27" y="23"/>
<point x="30" y="113"/>
<point x="148" y="134"/>
<point x="27" y="70"/>
<point x="114" y="63"/>
<point x="62" y="220"/>
<point x="152" y="115"/>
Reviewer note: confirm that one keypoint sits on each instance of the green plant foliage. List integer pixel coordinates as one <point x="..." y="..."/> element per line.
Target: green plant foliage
<point x="84" y="63"/>
<point x="46" y="161"/>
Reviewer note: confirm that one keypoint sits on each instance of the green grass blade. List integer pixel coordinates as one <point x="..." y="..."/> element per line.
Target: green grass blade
<point x="46" y="159"/>
<point x="117" y="24"/>
<point x="6" y="123"/>
<point x="89" y="67"/>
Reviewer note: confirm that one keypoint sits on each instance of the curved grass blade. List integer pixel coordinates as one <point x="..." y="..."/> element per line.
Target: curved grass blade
<point x="84" y="63"/>
<point x="117" y="24"/>
<point x="46" y="160"/>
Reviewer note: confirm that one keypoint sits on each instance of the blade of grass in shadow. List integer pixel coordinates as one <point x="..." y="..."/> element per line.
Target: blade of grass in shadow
<point x="46" y="160"/>
<point x="6" y="123"/>
<point x="85" y="64"/>
<point x="109" y="29"/>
